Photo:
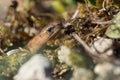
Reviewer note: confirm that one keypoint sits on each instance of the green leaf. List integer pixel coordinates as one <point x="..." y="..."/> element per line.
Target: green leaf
<point x="92" y="2"/>
<point x="28" y="4"/>
<point x="113" y="30"/>
<point x="70" y="2"/>
<point x="58" y="6"/>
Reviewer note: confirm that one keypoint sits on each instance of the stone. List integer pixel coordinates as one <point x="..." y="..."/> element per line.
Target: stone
<point x="37" y="68"/>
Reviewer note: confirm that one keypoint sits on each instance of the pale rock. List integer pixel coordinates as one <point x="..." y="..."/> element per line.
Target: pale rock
<point x="107" y="71"/>
<point x="37" y="68"/>
<point x="82" y="74"/>
<point x="63" y="54"/>
<point x="103" y="46"/>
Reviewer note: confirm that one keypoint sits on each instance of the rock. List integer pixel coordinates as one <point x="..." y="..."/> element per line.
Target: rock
<point x="74" y="57"/>
<point x="2" y="77"/>
<point x="103" y="46"/>
<point x="63" y="54"/>
<point x="82" y="74"/>
<point x="107" y="71"/>
<point x="37" y="68"/>
<point x="9" y="65"/>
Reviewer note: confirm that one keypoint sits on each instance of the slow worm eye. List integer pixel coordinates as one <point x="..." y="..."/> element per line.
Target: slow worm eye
<point x="50" y="29"/>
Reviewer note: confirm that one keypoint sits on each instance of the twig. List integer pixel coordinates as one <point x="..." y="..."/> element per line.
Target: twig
<point x="86" y="47"/>
<point x="98" y="22"/>
<point x="80" y="41"/>
<point x="103" y="5"/>
<point x="76" y="13"/>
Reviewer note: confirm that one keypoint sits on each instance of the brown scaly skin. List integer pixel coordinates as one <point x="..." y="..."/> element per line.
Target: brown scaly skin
<point x="39" y="40"/>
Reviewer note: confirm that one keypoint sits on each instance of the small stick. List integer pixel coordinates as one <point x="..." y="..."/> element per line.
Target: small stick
<point x="75" y="14"/>
<point x="81" y="42"/>
<point x="94" y="55"/>
<point x="101" y="22"/>
<point x="78" y="39"/>
<point x="85" y="46"/>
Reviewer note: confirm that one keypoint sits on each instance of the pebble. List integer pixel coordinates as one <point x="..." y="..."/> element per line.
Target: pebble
<point x="37" y="68"/>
